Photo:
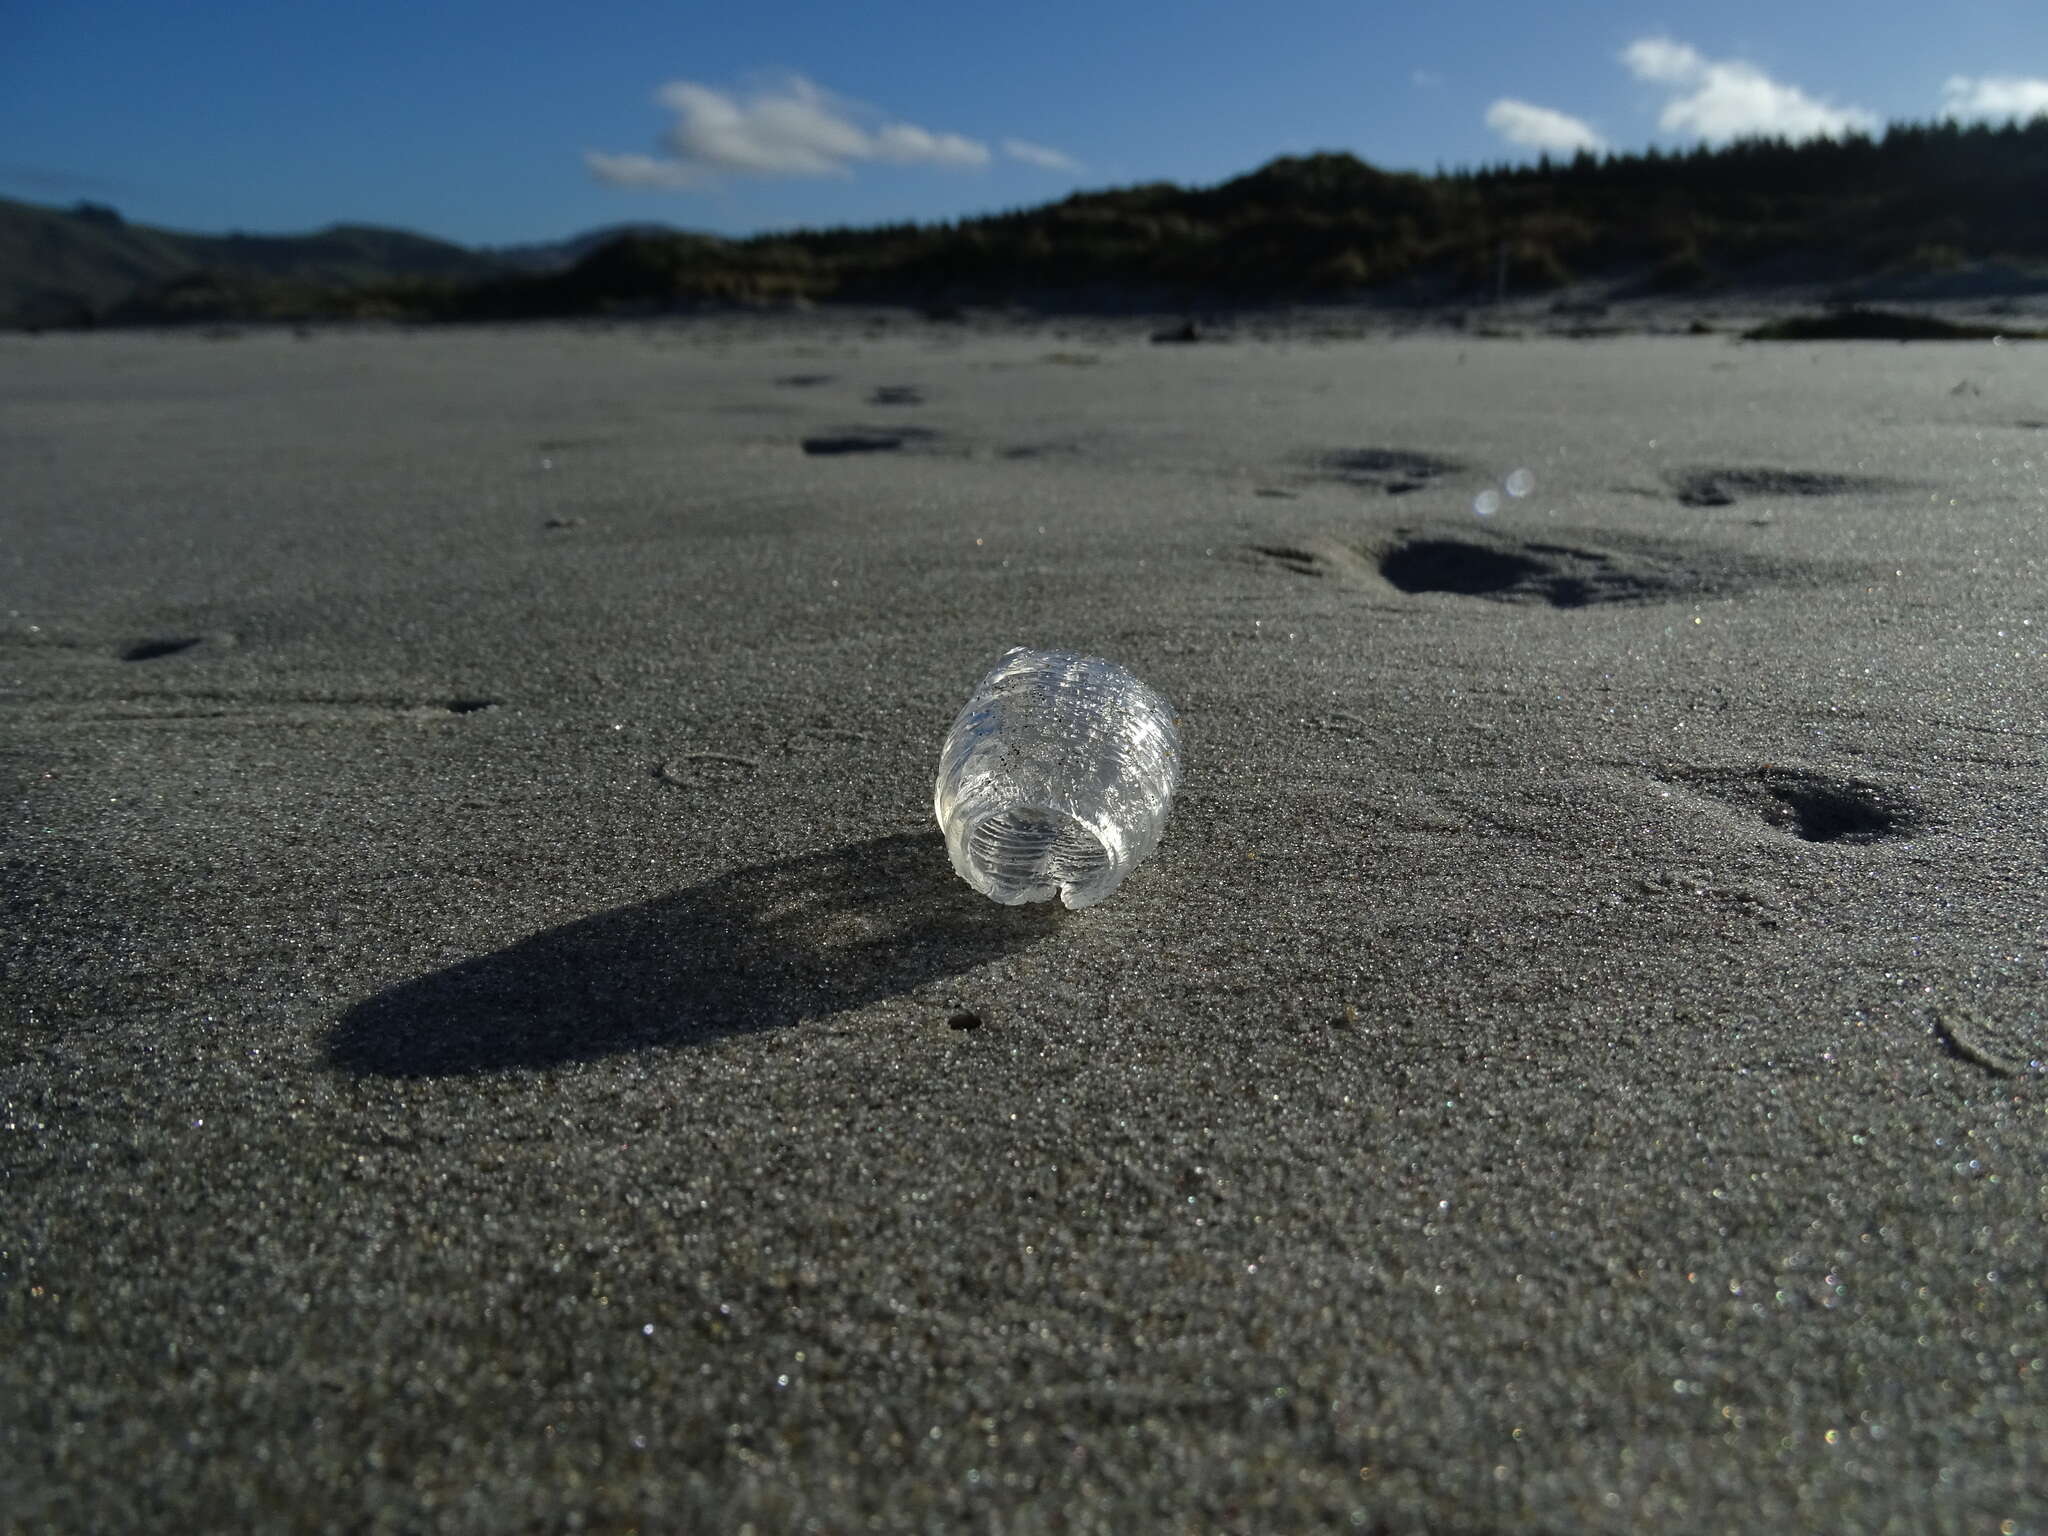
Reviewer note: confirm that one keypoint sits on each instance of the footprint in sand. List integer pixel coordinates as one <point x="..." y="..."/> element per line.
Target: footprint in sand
<point x="1507" y="570"/>
<point x="1807" y="803"/>
<point x="1723" y="487"/>
<point x="1051" y="450"/>
<point x="158" y="649"/>
<point x="1390" y="471"/>
<point x="868" y="440"/>
<point x="2008" y="1041"/>
<point x="1498" y="568"/>
<point x="198" y="647"/>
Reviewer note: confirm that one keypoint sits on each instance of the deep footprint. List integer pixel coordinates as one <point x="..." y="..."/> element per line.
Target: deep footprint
<point x="866" y="440"/>
<point x="1812" y="806"/>
<point x="1560" y="575"/>
<point x="1042" y="451"/>
<point x="1391" y="471"/>
<point x="1724" y="487"/>
<point x="156" y="650"/>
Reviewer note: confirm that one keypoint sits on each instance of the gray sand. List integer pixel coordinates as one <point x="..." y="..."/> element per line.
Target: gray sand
<point x="484" y="1047"/>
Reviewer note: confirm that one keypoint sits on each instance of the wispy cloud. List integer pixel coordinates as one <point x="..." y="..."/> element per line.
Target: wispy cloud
<point x="1534" y="127"/>
<point x="1425" y="79"/>
<point x="1722" y="99"/>
<point x="1994" y="96"/>
<point x="1038" y="155"/>
<point x="644" y="171"/>
<point x="788" y="127"/>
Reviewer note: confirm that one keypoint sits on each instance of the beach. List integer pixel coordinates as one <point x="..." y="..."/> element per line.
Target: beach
<point x="492" y="1039"/>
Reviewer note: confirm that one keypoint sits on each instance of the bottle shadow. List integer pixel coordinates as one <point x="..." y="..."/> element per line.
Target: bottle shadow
<point x="752" y="950"/>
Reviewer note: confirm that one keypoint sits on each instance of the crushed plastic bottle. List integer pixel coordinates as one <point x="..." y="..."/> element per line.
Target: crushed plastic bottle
<point x="1056" y="778"/>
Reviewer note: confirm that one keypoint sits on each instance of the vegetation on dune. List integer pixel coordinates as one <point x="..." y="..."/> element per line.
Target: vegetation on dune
<point x="1922" y="199"/>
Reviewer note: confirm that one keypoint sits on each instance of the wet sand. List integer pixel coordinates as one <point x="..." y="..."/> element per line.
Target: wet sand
<point x="492" y="1038"/>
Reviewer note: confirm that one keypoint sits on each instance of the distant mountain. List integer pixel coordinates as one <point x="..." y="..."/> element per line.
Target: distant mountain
<point x="61" y="268"/>
<point x="85" y="264"/>
<point x="69" y="266"/>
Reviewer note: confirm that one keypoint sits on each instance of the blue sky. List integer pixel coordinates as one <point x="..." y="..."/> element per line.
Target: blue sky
<point x="496" y="123"/>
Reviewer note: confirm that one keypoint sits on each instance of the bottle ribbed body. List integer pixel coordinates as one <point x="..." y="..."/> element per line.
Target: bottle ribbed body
<point x="1056" y="778"/>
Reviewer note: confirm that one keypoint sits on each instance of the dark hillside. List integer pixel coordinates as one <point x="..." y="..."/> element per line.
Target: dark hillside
<point x="63" y="268"/>
<point x="77" y="265"/>
<point x="1935" y="208"/>
<point x="1922" y="200"/>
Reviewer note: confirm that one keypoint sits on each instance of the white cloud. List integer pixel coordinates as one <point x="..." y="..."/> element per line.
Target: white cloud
<point x="1541" y="128"/>
<point x="1994" y="96"/>
<point x="638" y="170"/>
<point x="906" y="145"/>
<point x="789" y="127"/>
<point x="1038" y="155"/>
<point x="1722" y="99"/>
<point x="1425" y="79"/>
<point x="1659" y="58"/>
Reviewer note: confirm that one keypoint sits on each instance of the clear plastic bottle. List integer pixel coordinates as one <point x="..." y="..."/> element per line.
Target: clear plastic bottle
<point x="1056" y="778"/>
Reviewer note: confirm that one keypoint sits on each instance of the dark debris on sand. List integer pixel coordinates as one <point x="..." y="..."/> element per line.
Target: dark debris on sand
<point x="1881" y="325"/>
